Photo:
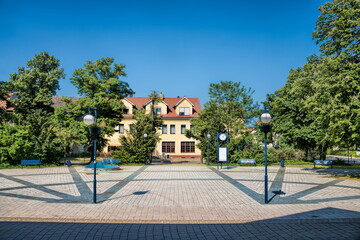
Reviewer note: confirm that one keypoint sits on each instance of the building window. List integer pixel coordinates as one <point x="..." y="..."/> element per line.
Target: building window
<point x="187" y="147"/>
<point x="120" y="128"/>
<point x="184" y="111"/>
<point x="158" y="111"/>
<point x="168" y="147"/>
<point x="125" y="110"/>
<point x="131" y="127"/>
<point x="172" y="129"/>
<point x="191" y="128"/>
<point x="164" y="129"/>
<point x="183" y="129"/>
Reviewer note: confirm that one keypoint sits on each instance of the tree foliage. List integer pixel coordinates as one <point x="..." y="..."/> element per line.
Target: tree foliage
<point x="229" y="109"/>
<point x="338" y="28"/>
<point x="100" y="85"/>
<point x="36" y="83"/>
<point x="135" y="147"/>
<point x="34" y="87"/>
<point x="69" y="128"/>
<point x="15" y="144"/>
<point x="319" y="105"/>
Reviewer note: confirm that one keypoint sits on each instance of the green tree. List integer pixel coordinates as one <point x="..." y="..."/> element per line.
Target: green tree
<point x="337" y="91"/>
<point x="319" y="105"/>
<point x="15" y="144"/>
<point x="69" y="129"/>
<point x="35" y="86"/>
<point x="230" y="108"/>
<point x="338" y="29"/>
<point x="292" y="119"/>
<point x="135" y="147"/>
<point x="100" y="85"/>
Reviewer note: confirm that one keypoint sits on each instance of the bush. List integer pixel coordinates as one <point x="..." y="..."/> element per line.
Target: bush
<point x="15" y="144"/>
<point x="287" y="154"/>
<point x="274" y="155"/>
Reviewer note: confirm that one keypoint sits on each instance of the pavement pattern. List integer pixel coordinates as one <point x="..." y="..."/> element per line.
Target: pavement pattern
<point x="179" y="201"/>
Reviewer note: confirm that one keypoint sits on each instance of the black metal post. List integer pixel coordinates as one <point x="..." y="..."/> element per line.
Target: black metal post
<point x="94" y="187"/>
<point x="266" y="170"/>
<point x="95" y="133"/>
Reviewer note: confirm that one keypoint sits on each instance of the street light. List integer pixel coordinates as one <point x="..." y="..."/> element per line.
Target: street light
<point x="265" y="128"/>
<point x="208" y="148"/>
<point x="145" y="136"/>
<point x="90" y="119"/>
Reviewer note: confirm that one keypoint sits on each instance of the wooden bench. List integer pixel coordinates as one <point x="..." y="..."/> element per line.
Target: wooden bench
<point x="111" y="161"/>
<point x="30" y="162"/>
<point x="243" y="160"/>
<point x="323" y="162"/>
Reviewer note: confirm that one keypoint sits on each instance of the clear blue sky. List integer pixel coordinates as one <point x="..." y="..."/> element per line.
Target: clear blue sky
<point x="177" y="47"/>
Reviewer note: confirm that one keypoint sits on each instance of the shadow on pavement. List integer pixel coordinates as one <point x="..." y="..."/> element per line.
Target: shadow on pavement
<point x="327" y="223"/>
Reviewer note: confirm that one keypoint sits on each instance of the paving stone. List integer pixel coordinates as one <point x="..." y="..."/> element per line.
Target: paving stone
<point x="177" y="201"/>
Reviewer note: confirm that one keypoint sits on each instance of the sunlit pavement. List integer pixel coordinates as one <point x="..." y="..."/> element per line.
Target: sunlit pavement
<point x="176" y="201"/>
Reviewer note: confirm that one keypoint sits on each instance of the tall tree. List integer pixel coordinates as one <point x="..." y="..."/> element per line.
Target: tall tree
<point x="320" y="105"/>
<point x="135" y="146"/>
<point x="292" y="117"/>
<point x="101" y="86"/>
<point x="230" y="109"/>
<point x="338" y="28"/>
<point x="35" y="85"/>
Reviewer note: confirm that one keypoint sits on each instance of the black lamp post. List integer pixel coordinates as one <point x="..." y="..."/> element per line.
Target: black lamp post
<point x="90" y="119"/>
<point x="265" y="128"/>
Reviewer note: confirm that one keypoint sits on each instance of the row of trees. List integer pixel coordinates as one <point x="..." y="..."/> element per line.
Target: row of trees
<point x="37" y="129"/>
<point x="319" y="106"/>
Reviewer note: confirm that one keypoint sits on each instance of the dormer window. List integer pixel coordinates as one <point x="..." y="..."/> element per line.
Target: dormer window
<point x="184" y="111"/>
<point x="158" y="111"/>
<point x="125" y="110"/>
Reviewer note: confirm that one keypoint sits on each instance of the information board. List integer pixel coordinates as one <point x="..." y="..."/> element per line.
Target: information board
<point x="223" y="154"/>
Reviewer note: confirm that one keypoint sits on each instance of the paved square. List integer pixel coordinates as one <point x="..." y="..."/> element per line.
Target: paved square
<point x="180" y="194"/>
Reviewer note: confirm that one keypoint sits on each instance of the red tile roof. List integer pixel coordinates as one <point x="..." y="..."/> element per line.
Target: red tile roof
<point x="137" y="102"/>
<point x="5" y="104"/>
<point x="140" y="102"/>
<point x="57" y="100"/>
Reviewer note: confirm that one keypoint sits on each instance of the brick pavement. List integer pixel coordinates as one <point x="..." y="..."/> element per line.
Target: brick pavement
<point x="179" y="197"/>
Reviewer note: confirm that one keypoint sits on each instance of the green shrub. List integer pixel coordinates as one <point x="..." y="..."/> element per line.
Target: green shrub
<point x="274" y="155"/>
<point x="287" y="153"/>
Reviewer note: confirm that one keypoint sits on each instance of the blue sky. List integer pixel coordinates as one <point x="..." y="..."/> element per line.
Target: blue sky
<point x="174" y="47"/>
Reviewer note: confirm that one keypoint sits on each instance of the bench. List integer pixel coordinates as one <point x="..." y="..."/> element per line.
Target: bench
<point x="30" y="162"/>
<point x="252" y="161"/>
<point x="111" y="161"/>
<point x="323" y="162"/>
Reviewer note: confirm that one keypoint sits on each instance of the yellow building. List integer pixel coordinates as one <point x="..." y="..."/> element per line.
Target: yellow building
<point x="176" y="114"/>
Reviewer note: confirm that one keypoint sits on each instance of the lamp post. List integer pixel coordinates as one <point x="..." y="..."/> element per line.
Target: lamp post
<point x="208" y="148"/>
<point x="90" y="119"/>
<point x="145" y="136"/>
<point x="265" y="128"/>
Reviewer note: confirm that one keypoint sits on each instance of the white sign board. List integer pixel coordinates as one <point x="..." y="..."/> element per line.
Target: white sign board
<point x="222" y="154"/>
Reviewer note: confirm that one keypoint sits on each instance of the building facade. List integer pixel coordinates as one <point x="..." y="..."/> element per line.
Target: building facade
<point x="176" y="114"/>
